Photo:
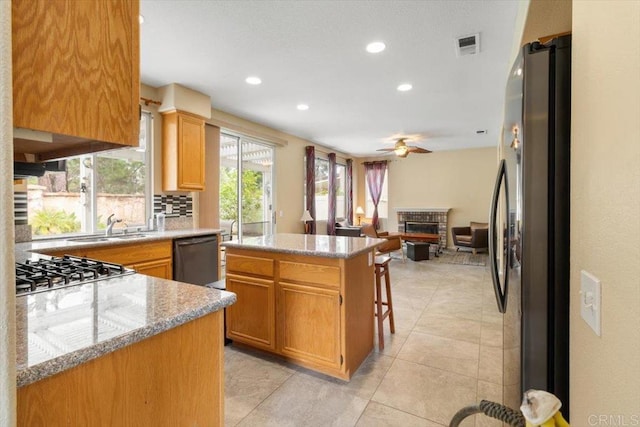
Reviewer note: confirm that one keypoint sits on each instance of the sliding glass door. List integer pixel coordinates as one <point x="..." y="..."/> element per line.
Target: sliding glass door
<point x="246" y="185"/>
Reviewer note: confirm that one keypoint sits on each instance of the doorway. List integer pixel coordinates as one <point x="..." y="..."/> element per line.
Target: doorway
<point x="246" y="185"/>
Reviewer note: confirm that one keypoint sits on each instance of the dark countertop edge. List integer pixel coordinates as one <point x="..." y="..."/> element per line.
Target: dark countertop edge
<point x="75" y="358"/>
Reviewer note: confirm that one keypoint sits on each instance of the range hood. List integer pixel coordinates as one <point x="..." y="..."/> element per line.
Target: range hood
<point x="36" y="146"/>
<point x="24" y="169"/>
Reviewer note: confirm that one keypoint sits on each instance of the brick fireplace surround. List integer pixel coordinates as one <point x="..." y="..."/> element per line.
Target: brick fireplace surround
<point x="425" y="215"/>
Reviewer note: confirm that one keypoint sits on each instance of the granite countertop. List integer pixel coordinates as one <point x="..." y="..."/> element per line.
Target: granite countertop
<point x="65" y="327"/>
<point x="308" y="244"/>
<point x="62" y="328"/>
<point x="24" y="251"/>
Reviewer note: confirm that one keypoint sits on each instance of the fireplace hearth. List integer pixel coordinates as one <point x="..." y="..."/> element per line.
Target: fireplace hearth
<point x="424" y="220"/>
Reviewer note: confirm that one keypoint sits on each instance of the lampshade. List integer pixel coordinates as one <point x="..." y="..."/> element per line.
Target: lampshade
<point x="306" y="216"/>
<point x="359" y="210"/>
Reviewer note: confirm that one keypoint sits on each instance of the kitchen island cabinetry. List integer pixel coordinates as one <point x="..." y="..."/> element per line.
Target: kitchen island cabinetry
<point x="309" y="299"/>
<point x="129" y="350"/>
<point x="182" y="152"/>
<point x="75" y="75"/>
<point x="171" y="379"/>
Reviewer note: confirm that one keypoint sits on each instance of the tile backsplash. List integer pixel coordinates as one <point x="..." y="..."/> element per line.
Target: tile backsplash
<point x="174" y="206"/>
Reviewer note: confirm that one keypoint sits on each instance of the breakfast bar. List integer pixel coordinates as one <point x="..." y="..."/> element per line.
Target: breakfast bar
<point x="306" y="298"/>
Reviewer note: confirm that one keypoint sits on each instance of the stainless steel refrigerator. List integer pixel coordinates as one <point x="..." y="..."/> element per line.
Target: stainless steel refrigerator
<point x="529" y="223"/>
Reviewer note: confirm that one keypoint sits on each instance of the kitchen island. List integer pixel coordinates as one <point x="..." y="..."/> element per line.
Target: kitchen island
<point x="127" y="350"/>
<point x="306" y="298"/>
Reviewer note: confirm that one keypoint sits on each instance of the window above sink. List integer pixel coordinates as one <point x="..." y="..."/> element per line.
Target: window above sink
<point x="92" y="187"/>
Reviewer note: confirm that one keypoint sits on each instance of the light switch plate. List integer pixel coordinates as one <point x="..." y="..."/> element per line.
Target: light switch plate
<point x="169" y="209"/>
<point x="590" y="303"/>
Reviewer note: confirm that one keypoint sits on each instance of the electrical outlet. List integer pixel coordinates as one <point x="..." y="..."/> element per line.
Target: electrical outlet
<point x="590" y="301"/>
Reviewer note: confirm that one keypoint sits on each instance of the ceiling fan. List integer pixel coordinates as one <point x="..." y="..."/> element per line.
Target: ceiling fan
<point x="401" y="148"/>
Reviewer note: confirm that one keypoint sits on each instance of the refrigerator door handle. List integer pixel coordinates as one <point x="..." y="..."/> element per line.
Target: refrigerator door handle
<point x="500" y="291"/>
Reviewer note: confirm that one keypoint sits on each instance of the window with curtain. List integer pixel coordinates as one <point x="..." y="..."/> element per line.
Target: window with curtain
<point x="383" y="206"/>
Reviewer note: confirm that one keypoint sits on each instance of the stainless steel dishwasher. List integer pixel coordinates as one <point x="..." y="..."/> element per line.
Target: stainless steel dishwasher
<point x="195" y="259"/>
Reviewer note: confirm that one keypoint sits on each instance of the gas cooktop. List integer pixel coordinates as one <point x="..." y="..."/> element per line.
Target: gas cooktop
<point x="45" y="274"/>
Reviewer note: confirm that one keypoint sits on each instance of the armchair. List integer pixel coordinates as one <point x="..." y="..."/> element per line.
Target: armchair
<point x="476" y="236"/>
<point x="393" y="243"/>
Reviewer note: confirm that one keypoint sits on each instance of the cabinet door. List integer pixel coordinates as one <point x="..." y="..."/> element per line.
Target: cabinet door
<point x="190" y="153"/>
<point x="251" y="319"/>
<point x="161" y="268"/>
<point x="76" y="69"/>
<point x="182" y="152"/>
<point x="309" y="324"/>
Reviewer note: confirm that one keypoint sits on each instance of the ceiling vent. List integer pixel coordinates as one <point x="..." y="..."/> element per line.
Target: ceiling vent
<point x="468" y="45"/>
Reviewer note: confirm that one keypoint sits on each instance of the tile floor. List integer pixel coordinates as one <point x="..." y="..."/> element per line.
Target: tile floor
<point x="446" y="354"/>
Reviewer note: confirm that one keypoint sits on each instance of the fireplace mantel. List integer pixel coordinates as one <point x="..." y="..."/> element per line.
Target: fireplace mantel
<point x="422" y="209"/>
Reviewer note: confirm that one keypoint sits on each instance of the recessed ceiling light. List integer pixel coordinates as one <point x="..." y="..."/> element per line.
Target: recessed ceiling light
<point x="141" y="19"/>
<point x="405" y="87"/>
<point x="376" y="47"/>
<point x="253" y="80"/>
<point x="302" y="107"/>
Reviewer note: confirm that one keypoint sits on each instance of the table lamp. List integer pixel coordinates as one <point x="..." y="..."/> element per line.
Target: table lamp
<point x="359" y="213"/>
<point x="306" y="217"/>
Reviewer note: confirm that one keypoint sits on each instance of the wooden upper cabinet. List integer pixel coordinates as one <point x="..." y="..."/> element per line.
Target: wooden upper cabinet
<point x="76" y="74"/>
<point x="182" y="152"/>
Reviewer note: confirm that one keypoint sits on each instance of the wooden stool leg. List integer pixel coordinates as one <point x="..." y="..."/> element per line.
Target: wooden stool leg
<point x="387" y="282"/>
<point x="379" y="315"/>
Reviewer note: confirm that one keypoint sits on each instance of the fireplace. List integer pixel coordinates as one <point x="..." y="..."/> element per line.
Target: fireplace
<point x="424" y="220"/>
<point x="421" y="227"/>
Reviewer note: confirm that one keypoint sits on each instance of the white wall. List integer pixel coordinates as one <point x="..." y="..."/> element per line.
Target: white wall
<point x="7" y="265"/>
<point x="605" y="210"/>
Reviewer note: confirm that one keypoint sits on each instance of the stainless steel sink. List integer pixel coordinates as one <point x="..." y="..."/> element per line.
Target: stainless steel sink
<point x="128" y="236"/>
<point x="103" y="238"/>
<point x="89" y="239"/>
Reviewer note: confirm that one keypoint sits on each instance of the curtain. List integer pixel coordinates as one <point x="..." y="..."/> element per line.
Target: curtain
<point x="331" y="220"/>
<point x="349" y="191"/>
<point x="310" y="184"/>
<point x="374" y="172"/>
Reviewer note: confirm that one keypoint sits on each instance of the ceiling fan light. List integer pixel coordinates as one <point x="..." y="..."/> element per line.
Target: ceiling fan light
<point x="401" y="151"/>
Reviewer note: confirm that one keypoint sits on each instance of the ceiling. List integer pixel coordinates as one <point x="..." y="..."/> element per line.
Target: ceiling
<point x="313" y="52"/>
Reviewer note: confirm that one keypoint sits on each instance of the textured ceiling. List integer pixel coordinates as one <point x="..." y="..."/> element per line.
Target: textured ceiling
<point x="313" y="52"/>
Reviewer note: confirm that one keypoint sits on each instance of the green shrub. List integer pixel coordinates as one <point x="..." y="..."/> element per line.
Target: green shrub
<point x="54" y="221"/>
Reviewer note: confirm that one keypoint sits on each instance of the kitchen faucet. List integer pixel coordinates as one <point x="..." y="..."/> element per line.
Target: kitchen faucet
<point x="110" y="224"/>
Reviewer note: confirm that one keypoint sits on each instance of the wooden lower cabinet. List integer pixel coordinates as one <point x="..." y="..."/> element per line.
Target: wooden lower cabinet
<point x="175" y="378"/>
<point x="161" y="268"/>
<point x="150" y="258"/>
<point x="252" y="322"/>
<point x="313" y="311"/>
<point x="310" y="324"/>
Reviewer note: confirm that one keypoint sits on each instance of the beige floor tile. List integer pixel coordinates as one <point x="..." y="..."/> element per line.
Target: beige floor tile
<point x="426" y="392"/>
<point x="307" y="401"/>
<point x="455" y="309"/>
<point x="377" y="415"/>
<point x="450" y="355"/>
<point x="490" y="368"/>
<point x="248" y="381"/>
<point x="449" y="327"/>
<point x="491" y="334"/>
<point x="366" y="379"/>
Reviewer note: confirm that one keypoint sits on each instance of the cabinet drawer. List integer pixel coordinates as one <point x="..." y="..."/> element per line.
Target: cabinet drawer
<point x="310" y="273"/>
<point x="132" y="253"/>
<point x="254" y="266"/>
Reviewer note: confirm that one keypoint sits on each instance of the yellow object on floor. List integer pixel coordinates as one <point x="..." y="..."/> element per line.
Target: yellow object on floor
<point x="542" y="409"/>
